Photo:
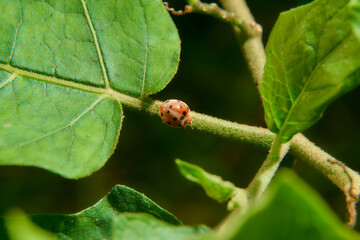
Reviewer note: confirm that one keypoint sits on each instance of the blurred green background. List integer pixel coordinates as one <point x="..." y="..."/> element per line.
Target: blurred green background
<point x="212" y="79"/>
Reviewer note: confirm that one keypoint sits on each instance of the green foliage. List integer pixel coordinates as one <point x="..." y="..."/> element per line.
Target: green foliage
<point x="355" y="16"/>
<point x="134" y="226"/>
<point x="58" y="109"/>
<point x="66" y="131"/>
<point x="312" y="58"/>
<point x="19" y="227"/>
<point x="96" y="221"/>
<point x="66" y="68"/>
<point x="293" y="211"/>
<point x="214" y="186"/>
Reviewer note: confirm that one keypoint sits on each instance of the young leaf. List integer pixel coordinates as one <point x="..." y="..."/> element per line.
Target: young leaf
<point x="214" y="186"/>
<point x="135" y="226"/>
<point x="64" y="68"/>
<point x="96" y="221"/>
<point x="19" y="227"/>
<point x="293" y="211"/>
<point x="355" y="16"/>
<point x="312" y="57"/>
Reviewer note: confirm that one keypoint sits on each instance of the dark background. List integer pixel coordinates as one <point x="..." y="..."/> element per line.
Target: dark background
<point x="212" y="79"/>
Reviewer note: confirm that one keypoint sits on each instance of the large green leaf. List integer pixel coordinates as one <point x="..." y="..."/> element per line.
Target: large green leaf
<point x="312" y="57"/>
<point x="139" y="226"/>
<point x="294" y="211"/>
<point x="63" y="65"/>
<point x="96" y="221"/>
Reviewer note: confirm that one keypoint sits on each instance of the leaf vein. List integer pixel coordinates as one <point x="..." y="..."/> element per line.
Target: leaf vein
<point x="67" y="125"/>
<point x="8" y="80"/>
<point x="16" y="33"/>
<point x="97" y="46"/>
<point x="146" y="53"/>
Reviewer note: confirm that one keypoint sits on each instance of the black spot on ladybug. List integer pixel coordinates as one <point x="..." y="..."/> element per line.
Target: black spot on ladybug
<point x="182" y="118"/>
<point x="169" y="123"/>
<point x="162" y="114"/>
<point x="180" y="106"/>
<point x="168" y="111"/>
<point x="174" y="119"/>
<point x="184" y="113"/>
<point x="179" y="125"/>
<point x="170" y="106"/>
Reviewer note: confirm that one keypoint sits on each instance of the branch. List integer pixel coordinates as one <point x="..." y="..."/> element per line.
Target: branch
<point x="267" y="170"/>
<point x="342" y="176"/>
<point x="252" y="48"/>
<point x="345" y="178"/>
<point x="248" y="28"/>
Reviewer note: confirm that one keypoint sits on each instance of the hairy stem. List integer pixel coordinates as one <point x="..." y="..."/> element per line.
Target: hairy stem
<point x="268" y="169"/>
<point x="252" y="48"/>
<point x="345" y="178"/>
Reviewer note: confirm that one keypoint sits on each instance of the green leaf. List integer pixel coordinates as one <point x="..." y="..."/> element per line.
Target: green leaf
<point x="136" y="226"/>
<point x="355" y="16"/>
<point x="96" y="221"/>
<point x="65" y="67"/>
<point x="293" y="211"/>
<point x="312" y="58"/>
<point x="66" y="131"/>
<point x="214" y="186"/>
<point x="19" y="227"/>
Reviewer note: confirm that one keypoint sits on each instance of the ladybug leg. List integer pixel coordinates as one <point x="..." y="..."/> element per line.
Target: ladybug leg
<point x="187" y="123"/>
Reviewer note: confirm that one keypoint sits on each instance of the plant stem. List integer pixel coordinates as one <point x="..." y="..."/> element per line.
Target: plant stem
<point x="248" y="28"/>
<point x="268" y="169"/>
<point x="252" y="48"/>
<point x="345" y="178"/>
<point x="342" y="176"/>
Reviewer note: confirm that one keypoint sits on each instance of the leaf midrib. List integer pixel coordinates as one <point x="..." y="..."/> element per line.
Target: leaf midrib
<point x="120" y="97"/>
<point x="53" y="80"/>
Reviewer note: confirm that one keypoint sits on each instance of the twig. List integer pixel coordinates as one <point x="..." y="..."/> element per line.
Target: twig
<point x="349" y="180"/>
<point x="252" y="48"/>
<point x="301" y="147"/>
<point x="345" y="178"/>
<point x="267" y="170"/>
<point x="248" y="28"/>
<point x="180" y="12"/>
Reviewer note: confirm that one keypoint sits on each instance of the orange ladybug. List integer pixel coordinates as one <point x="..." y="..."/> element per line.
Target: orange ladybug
<point x="175" y="113"/>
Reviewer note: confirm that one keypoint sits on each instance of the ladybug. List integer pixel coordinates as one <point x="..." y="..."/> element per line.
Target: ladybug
<point x="175" y="113"/>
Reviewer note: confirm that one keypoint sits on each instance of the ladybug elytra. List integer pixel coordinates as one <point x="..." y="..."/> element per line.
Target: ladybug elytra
<point x="175" y="113"/>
